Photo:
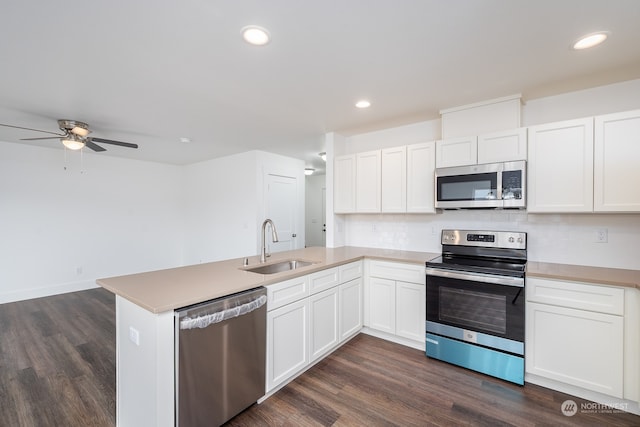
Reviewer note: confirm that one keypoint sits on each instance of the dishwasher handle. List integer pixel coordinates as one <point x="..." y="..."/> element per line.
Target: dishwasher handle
<point x="222" y="315"/>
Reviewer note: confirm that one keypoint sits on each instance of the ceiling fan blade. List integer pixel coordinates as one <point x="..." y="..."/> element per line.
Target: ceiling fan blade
<point x="93" y="146"/>
<point x="112" y="142"/>
<point x="35" y="130"/>
<point x="44" y="137"/>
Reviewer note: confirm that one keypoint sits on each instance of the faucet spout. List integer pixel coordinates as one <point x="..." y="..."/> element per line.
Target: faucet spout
<point x="274" y="238"/>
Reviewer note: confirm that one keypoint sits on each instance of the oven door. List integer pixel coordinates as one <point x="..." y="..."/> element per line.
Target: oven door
<point x="484" y="309"/>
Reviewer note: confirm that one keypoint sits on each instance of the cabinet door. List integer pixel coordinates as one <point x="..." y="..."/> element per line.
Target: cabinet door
<point x="504" y="146"/>
<point x="382" y="305"/>
<point x="410" y="310"/>
<point x="421" y="165"/>
<point x="350" y="308"/>
<point x="368" y="181"/>
<point x="287" y="341"/>
<point x="560" y="169"/>
<point x="457" y="152"/>
<point x="394" y="179"/>
<point x="576" y="347"/>
<point x="616" y="162"/>
<point x="324" y="322"/>
<point x="344" y="184"/>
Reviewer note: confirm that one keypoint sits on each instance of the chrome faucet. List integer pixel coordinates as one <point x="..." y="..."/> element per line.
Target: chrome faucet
<point x="274" y="238"/>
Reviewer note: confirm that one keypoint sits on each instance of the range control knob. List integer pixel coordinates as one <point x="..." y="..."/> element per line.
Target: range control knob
<point x="511" y="239"/>
<point x="519" y="239"/>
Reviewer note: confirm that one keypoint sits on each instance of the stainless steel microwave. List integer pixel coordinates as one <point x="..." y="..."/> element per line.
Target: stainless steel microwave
<point x="486" y="186"/>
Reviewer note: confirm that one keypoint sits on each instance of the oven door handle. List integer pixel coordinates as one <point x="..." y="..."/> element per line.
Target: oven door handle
<point x="477" y="277"/>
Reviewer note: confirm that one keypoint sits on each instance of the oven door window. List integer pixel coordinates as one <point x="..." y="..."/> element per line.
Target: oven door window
<point x="481" y="186"/>
<point x="473" y="310"/>
<point x="488" y="308"/>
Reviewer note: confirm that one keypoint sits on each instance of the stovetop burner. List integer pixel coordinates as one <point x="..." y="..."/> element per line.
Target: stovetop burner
<point x="479" y="265"/>
<point x="490" y="252"/>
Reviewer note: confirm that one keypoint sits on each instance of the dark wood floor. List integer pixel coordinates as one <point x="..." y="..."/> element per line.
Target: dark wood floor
<point x="57" y="368"/>
<point x="372" y="382"/>
<point x="57" y="360"/>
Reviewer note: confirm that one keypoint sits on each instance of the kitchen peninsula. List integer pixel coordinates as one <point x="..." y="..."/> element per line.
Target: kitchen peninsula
<point x="145" y="305"/>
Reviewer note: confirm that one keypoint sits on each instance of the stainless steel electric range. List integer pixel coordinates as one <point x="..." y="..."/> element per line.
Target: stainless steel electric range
<point x="475" y="302"/>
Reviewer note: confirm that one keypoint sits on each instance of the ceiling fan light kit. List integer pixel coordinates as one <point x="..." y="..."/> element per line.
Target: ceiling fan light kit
<point x="73" y="142"/>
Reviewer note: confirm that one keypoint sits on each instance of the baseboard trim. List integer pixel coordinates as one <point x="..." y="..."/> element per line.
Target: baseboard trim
<point x="394" y="338"/>
<point x="25" y="294"/>
<point x="602" y="399"/>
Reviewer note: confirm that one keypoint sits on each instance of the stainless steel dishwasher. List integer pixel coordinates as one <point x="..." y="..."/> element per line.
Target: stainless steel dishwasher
<point x="220" y="350"/>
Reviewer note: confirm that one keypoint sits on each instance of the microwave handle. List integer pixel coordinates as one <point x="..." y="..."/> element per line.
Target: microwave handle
<point x="499" y="182"/>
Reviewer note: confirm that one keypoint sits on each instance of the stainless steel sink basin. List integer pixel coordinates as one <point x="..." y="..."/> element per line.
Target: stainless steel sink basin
<point x="278" y="267"/>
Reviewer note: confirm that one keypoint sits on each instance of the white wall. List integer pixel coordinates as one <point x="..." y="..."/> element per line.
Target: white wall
<point x="225" y="205"/>
<point x="552" y="238"/>
<point x="61" y="229"/>
<point x="220" y="202"/>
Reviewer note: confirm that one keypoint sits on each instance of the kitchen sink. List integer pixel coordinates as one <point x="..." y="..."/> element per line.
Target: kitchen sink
<point x="278" y="267"/>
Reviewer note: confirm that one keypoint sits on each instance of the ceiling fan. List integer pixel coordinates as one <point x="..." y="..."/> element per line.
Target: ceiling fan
<point x="75" y="136"/>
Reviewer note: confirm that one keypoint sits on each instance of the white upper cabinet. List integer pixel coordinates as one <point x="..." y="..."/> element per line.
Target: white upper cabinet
<point x="457" y="152"/>
<point x="503" y="146"/>
<point x="344" y="184"/>
<point x="617" y="162"/>
<point x="421" y="164"/>
<point x="368" y="181"/>
<point x="394" y="179"/>
<point x="560" y="167"/>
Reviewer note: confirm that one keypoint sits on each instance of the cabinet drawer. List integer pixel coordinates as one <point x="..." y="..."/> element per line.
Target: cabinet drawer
<point x="286" y="292"/>
<point x="582" y="296"/>
<point x="324" y="279"/>
<point x="413" y="273"/>
<point x="350" y="271"/>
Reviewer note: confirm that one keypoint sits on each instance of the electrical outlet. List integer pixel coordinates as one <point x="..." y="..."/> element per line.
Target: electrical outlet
<point x="134" y="335"/>
<point x="602" y="236"/>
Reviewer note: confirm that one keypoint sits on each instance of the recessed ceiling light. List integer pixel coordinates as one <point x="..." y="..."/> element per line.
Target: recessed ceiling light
<point x="309" y="171"/>
<point x="185" y="140"/>
<point x="363" y="104"/>
<point x="590" y="40"/>
<point x="255" y="35"/>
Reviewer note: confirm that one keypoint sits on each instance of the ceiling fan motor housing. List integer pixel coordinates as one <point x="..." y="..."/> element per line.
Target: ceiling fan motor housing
<point x="74" y="127"/>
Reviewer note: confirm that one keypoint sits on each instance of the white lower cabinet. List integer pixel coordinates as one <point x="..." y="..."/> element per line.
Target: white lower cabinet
<point x="308" y="317"/>
<point x="350" y="315"/>
<point x="324" y="322"/>
<point x="382" y="304"/>
<point x="396" y="300"/>
<point x="410" y="310"/>
<point x="288" y="341"/>
<point x="575" y="334"/>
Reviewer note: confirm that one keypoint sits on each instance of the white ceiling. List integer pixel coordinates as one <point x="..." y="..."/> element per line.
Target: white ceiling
<point x="151" y="72"/>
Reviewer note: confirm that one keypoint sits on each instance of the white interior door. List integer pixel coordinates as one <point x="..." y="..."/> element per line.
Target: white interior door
<point x="281" y="207"/>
